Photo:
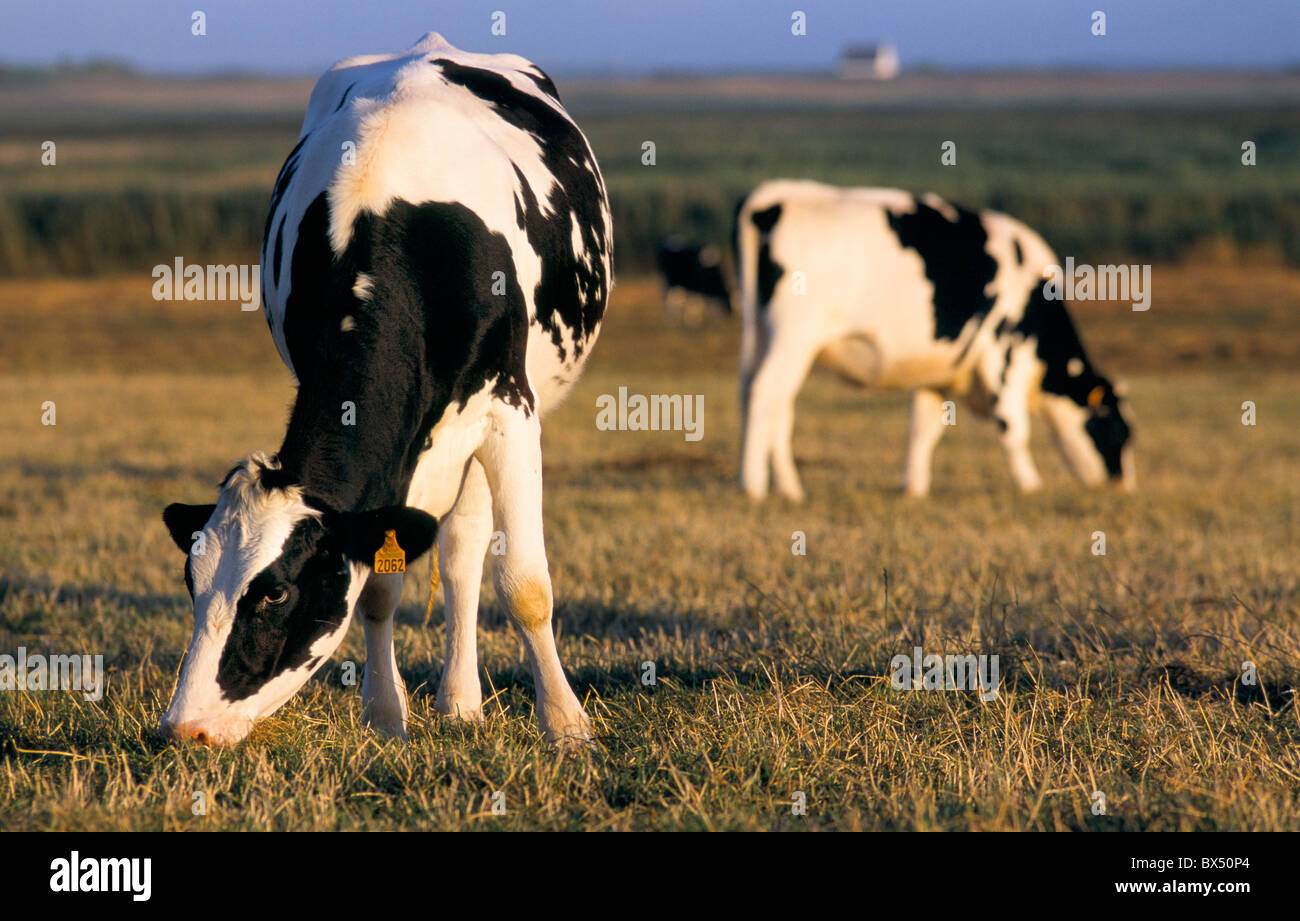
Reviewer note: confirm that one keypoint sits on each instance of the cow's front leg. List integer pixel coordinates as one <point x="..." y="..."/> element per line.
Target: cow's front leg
<point x="1015" y="442"/>
<point x="1011" y="413"/>
<point x="462" y="543"/>
<point x="383" y="693"/>
<point x="512" y="458"/>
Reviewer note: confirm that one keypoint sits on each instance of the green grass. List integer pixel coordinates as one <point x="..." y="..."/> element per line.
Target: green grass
<point x="1119" y="673"/>
<point x="1123" y="180"/>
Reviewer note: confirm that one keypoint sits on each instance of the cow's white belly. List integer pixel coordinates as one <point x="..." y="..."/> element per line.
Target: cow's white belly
<point x="879" y="322"/>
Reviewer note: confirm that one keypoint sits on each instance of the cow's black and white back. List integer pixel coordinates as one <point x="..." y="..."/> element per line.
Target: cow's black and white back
<point x="430" y="143"/>
<point x="435" y="268"/>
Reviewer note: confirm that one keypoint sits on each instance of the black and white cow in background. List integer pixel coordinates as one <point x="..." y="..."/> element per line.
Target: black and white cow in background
<point x="893" y="291"/>
<point x="694" y="281"/>
<point x="435" y="268"/>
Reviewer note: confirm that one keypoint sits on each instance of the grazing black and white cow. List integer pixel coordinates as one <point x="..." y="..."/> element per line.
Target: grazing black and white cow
<point x="895" y="291"/>
<point x="435" y="268"/>
<point x="694" y="280"/>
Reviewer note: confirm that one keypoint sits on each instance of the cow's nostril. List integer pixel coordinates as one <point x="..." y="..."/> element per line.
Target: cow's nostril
<point x="189" y="732"/>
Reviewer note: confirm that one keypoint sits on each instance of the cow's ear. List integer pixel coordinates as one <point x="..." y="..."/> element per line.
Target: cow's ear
<point x="364" y="533"/>
<point x="183" y="520"/>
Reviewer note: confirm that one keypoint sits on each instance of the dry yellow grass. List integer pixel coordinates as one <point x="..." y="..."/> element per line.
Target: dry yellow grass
<point x="1118" y="672"/>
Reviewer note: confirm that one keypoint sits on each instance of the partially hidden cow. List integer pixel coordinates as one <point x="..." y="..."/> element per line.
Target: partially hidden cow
<point x="894" y="291"/>
<point x="435" y="268"/>
<point x="694" y="281"/>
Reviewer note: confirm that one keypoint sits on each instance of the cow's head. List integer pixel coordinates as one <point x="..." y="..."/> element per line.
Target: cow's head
<point x="274" y="578"/>
<point x="1088" y="422"/>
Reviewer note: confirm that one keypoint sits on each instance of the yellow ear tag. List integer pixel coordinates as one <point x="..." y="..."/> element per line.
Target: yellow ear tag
<point x="1095" y="395"/>
<point x="390" y="558"/>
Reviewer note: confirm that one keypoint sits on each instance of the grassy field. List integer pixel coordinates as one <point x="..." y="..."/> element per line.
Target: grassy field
<point x="1119" y="672"/>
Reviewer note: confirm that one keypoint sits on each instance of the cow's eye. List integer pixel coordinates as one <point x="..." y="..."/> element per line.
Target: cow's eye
<point x="279" y="596"/>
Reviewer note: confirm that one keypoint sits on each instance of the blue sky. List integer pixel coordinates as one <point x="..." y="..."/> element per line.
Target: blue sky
<point x="566" y="36"/>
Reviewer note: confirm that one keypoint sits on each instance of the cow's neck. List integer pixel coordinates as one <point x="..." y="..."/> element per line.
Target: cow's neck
<point x="356" y="431"/>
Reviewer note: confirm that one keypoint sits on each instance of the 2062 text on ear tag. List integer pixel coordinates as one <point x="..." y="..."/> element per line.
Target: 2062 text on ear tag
<point x="390" y="558"/>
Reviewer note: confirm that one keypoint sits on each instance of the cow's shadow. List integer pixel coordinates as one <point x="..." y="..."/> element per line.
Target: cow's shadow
<point x="641" y="627"/>
<point x="638" y="626"/>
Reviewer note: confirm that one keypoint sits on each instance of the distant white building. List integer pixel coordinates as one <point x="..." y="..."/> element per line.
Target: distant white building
<point x="868" y="62"/>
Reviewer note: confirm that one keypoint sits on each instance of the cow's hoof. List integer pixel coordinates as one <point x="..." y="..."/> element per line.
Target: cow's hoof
<point x="388" y="729"/>
<point x="571" y="744"/>
<point x="573" y="735"/>
<point x="460" y="713"/>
